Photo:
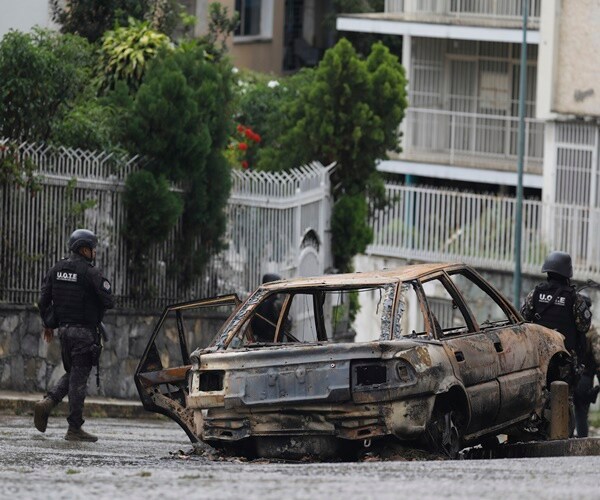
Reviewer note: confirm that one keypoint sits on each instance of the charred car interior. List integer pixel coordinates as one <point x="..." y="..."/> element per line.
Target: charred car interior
<point x="440" y="360"/>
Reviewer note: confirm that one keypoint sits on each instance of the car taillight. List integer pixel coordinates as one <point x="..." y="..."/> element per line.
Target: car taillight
<point x="379" y="374"/>
<point x="212" y="380"/>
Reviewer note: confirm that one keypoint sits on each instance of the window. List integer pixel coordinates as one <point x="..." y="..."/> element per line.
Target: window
<point x="315" y="315"/>
<point x="249" y="11"/>
<point x="484" y="307"/>
<point x="256" y="19"/>
<point x="409" y="316"/>
<point x="445" y="309"/>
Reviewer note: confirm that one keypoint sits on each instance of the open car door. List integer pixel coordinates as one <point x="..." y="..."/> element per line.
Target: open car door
<point x="161" y="376"/>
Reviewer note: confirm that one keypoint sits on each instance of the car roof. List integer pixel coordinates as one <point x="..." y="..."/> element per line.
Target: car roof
<point x="372" y="278"/>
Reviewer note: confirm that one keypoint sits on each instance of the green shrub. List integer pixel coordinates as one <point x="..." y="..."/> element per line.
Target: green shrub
<point x="152" y="212"/>
<point x="43" y="73"/>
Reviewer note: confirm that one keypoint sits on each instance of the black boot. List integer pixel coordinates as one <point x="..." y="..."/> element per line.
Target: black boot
<point x="78" y="434"/>
<point x="41" y="412"/>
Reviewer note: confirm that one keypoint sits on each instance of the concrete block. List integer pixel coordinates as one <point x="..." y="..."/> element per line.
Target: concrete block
<point x="30" y="370"/>
<point x="30" y="344"/>
<point x="5" y="341"/>
<point x="57" y="372"/>
<point x="53" y="355"/>
<point x="5" y="379"/>
<point x="33" y="323"/>
<point x="17" y="371"/>
<point x="136" y="347"/>
<point x="10" y="323"/>
<point x="42" y="374"/>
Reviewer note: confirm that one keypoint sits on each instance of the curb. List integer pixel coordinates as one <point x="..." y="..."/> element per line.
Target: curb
<point x="22" y="404"/>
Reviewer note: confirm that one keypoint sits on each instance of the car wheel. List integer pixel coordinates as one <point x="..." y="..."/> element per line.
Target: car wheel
<point x="443" y="432"/>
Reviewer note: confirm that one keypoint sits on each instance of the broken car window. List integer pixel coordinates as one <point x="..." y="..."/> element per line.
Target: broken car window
<point x="446" y="312"/>
<point x="484" y="307"/>
<point x="315" y="315"/>
<point x="410" y="321"/>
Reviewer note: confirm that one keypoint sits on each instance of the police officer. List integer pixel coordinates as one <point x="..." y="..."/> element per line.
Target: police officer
<point x="264" y="322"/>
<point x="555" y="304"/>
<point x="74" y="295"/>
<point x="585" y="392"/>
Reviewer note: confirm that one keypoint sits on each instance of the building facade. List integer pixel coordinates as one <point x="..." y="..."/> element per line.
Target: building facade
<point x="461" y="128"/>
<point x="274" y="36"/>
<point x="462" y="61"/>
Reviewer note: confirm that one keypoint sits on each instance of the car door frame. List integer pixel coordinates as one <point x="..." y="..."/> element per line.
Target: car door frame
<point x="150" y="374"/>
<point x="520" y="377"/>
<point x="480" y="381"/>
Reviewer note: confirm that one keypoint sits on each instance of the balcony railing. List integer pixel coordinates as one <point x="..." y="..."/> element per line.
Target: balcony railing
<point x="471" y="139"/>
<point x="508" y="10"/>
<point x="435" y="225"/>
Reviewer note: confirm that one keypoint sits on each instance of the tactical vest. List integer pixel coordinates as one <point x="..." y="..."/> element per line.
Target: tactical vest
<point x="553" y="306"/>
<point x="74" y="302"/>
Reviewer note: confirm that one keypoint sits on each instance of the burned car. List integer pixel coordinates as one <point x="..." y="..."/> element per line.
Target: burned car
<point x="438" y="358"/>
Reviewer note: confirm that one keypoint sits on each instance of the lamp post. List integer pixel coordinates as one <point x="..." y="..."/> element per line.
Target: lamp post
<point x="520" y="157"/>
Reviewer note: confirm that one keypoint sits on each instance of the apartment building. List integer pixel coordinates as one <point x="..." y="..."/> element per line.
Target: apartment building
<point x="461" y="128"/>
<point x="462" y="60"/>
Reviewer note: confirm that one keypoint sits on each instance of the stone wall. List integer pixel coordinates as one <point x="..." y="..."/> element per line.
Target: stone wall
<point x="28" y="363"/>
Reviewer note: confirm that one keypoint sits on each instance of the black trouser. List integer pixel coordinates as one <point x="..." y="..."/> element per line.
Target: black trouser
<point x="581" y="402"/>
<point x="76" y="343"/>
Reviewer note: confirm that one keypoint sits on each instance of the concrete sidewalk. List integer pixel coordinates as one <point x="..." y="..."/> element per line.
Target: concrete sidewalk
<point x="21" y="403"/>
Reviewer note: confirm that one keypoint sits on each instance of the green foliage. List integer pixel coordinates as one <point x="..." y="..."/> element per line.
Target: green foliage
<point x="350" y="225"/>
<point x="42" y="73"/>
<point x="89" y="124"/>
<point x="126" y="51"/>
<point x="362" y="42"/>
<point x="259" y="101"/>
<point x="220" y="26"/>
<point x="181" y="119"/>
<point x="91" y="18"/>
<point x="17" y="171"/>
<point x="152" y="211"/>
<point x="346" y="110"/>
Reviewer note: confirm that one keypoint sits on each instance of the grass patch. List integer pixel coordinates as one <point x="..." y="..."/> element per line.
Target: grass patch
<point x="72" y="471"/>
<point x="145" y="473"/>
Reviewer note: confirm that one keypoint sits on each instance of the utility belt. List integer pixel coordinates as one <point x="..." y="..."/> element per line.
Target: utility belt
<point x="77" y="325"/>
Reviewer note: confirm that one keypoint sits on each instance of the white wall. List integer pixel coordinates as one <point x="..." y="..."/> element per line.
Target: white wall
<point x="23" y="15"/>
<point x="569" y="72"/>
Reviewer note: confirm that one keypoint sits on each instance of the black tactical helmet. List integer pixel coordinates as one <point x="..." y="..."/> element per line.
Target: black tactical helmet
<point x="559" y="263"/>
<point x="267" y="278"/>
<point x="82" y="238"/>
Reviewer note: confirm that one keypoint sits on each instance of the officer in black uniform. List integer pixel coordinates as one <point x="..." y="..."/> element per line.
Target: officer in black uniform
<point x="555" y="304"/>
<point x="585" y="392"/>
<point x="74" y="296"/>
<point x="264" y="322"/>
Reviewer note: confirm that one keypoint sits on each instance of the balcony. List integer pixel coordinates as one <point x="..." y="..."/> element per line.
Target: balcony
<point x="487" y="20"/>
<point x="499" y="13"/>
<point x="484" y="141"/>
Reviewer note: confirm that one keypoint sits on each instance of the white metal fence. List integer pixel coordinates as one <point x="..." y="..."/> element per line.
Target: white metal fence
<point x="458" y="138"/>
<point x="439" y="225"/>
<point x="270" y="216"/>
<point x="501" y="9"/>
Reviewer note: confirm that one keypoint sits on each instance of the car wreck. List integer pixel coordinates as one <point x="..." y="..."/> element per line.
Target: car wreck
<point x="452" y="364"/>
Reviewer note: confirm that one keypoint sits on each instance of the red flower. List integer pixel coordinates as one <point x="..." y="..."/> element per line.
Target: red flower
<point x="245" y="164"/>
<point x="242" y="146"/>
<point x="241" y="128"/>
<point x="249" y="133"/>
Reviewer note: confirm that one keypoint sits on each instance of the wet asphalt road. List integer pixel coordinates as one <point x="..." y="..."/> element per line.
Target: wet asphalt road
<point x="141" y="459"/>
